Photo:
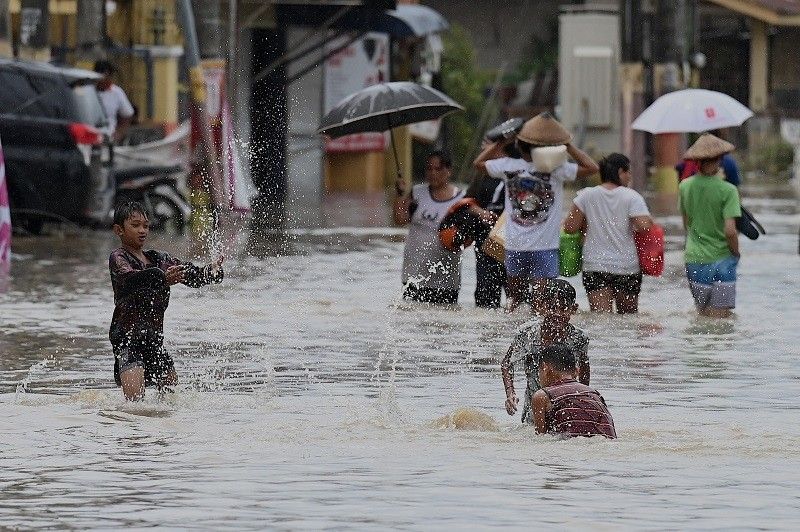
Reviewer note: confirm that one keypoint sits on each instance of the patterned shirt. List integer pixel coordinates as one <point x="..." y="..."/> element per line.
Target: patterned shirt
<point x="525" y="350"/>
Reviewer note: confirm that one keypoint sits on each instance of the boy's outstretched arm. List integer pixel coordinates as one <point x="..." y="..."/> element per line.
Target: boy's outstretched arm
<point x="507" y="369"/>
<point x="540" y="404"/>
<point x="196" y="276"/>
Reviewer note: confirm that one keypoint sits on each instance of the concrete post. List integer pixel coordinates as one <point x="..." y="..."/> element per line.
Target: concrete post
<point x="759" y="66"/>
<point x="91" y="28"/>
<point x="6" y="48"/>
<point x="669" y="56"/>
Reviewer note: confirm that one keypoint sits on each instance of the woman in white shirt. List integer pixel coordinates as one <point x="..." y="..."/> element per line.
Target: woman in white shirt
<point x="608" y="215"/>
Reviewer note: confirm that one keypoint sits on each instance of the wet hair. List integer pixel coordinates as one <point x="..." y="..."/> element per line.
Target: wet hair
<point x="610" y="167"/>
<point x="560" y="356"/>
<point x="558" y="294"/>
<point x="104" y="67"/>
<point x="443" y="157"/>
<point x="125" y="210"/>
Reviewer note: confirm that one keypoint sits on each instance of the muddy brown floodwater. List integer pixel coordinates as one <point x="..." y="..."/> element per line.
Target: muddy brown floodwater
<point x="311" y="397"/>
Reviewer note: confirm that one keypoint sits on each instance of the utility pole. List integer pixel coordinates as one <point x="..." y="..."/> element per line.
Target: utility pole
<point x="6" y="48"/>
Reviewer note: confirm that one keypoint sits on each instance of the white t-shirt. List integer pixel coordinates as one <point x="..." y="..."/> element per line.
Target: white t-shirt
<point x="426" y="263"/>
<point x="609" y="246"/>
<point x="115" y="103"/>
<point x="533" y="202"/>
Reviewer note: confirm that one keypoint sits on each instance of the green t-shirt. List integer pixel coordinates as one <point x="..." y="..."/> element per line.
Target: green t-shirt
<point x="707" y="202"/>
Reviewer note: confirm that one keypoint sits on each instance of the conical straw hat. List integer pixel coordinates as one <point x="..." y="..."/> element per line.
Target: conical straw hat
<point x="708" y="147"/>
<point x="544" y="130"/>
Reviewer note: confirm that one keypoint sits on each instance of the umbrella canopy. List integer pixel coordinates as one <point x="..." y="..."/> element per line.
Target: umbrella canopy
<point x="415" y="20"/>
<point x="692" y="111"/>
<point x="385" y="106"/>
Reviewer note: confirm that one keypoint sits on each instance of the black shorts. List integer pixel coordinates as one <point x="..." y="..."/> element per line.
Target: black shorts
<point x="155" y="361"/>
<point x="435" y="296"/>
<point x="629" y="285"/>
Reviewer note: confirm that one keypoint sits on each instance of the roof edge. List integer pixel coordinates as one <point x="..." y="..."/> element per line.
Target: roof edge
<point x="757" y="11"/>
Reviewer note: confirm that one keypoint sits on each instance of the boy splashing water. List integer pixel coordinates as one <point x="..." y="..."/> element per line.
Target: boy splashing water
<point x="141" y="281"/>
<point x="554" y="311"/>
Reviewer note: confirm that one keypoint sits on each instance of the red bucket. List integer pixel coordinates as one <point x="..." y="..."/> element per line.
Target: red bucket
<point x="650" y="247"/>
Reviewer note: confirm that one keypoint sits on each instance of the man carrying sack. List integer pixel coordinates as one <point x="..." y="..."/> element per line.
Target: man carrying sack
<point x="533" y="199"/>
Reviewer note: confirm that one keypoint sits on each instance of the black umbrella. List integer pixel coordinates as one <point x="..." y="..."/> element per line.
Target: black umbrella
<point x="386" y="106"/>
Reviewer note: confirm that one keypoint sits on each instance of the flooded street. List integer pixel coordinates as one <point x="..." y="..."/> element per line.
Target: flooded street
<point x="312" y="397"/>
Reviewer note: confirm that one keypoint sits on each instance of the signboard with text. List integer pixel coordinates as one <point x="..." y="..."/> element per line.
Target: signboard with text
<point x="361" y="64"/>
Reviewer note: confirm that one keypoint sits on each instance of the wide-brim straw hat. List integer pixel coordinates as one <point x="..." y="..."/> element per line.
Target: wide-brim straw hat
<point x="708" y="147"/>
<point x="544" y="130"/>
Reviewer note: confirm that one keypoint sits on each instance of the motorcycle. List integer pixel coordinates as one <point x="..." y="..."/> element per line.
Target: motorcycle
<point x="156" y="188"/>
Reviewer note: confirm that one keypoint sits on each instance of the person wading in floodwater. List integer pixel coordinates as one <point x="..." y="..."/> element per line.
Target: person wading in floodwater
<point x="141" y="280"/>
<point x="609" y="214"/>
<point x="710" y="207"/>
<point x="533" y="199"/>
<point x="564" y="406"/>
<point x="550" y="324"/>
<point x="431" y="273"/>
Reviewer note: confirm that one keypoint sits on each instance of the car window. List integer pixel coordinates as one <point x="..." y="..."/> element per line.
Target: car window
<point x="89" y="109"/>
<point x="53" y="101"/>
<point x="16" y="90"/>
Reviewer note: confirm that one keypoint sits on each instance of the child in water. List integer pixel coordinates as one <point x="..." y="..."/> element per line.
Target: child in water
<point x="141" y="281"/>
<point x="564" y="406"/>
<point x="555" y="308"/>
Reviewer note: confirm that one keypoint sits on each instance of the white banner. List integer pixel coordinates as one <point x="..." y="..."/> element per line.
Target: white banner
<point x="363" y="63"/>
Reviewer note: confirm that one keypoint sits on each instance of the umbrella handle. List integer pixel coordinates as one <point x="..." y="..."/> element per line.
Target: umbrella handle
<point x="394" y="149"/>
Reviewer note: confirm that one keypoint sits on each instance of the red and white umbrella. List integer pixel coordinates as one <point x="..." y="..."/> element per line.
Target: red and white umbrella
<point x="692" y="111"/>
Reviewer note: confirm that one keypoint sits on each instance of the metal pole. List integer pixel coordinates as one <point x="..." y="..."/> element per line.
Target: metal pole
<point x="198" y="97"/>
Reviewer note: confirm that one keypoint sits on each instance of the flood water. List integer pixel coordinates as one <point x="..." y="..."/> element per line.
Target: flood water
<point x="312" y="397"/>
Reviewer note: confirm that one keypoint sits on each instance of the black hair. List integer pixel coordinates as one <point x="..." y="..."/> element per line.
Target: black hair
<point x="560" y="356"/>
<point x="104" y="67"/>
<point x="125" y="210"/>
<point x="443" y="157"/>
<point x="558" y="294"/>
<point x="511" y="150"/>
<point x="610" y="166"/>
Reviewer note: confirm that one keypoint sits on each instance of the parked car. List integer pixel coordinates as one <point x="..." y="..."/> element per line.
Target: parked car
<point x="56" y="154"/>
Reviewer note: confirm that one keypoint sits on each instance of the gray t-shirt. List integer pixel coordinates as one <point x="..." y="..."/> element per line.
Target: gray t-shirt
<point x="426" y="263"/>
<point x="525" y="350"/>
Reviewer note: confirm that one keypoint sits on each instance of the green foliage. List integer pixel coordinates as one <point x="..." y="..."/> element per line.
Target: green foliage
<point x="467" y="84"/>
<point x="774" y="157"/>
<point x="537" y="56"/>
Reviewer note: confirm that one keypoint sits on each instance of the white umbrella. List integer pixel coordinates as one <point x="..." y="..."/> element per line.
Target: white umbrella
<point x="692" y="111"/>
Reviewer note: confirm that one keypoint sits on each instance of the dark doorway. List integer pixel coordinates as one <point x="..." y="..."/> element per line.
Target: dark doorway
<point x="269" y="119"/>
